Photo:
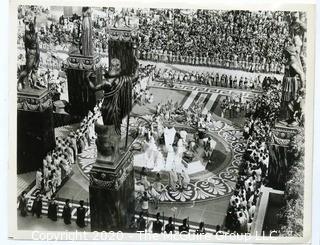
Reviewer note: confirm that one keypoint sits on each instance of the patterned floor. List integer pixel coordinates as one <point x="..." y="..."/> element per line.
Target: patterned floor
<point x="211" y="186"/>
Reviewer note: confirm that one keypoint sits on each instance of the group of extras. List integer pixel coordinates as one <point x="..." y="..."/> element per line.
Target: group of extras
<point x="57" y="166"/>
<point x="210" y="78"/>
<point x="253" y="171"/>
<point x="142" y="225"/>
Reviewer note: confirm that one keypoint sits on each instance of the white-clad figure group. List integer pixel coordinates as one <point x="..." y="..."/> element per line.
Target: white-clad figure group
<point x="154" y="159"/>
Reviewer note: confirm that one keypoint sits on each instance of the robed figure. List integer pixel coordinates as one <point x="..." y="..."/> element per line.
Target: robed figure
<point x="37" y="207"/>
<point x="66" y="213"/>
<point x="81" y="214"/>
<point x="294" y="75"/>
<point x="141" y="223"/>
<point x="23" y="204"/>
<point x="86" y="34"/>
<point x="184" y="228"/>
<point x="169" y="228"/>
<point x="116" y="105"/>
<point x="53" y="210"/>
<point x="157" y="225"/>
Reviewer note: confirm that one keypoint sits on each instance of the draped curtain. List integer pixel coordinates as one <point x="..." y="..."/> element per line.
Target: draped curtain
<point x="123" y="51"/>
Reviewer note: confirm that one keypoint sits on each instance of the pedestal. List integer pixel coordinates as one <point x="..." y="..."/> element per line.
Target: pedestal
<point x="111" y="191"/>
<point x="81" y="97"/>
<point x="280" y="156"/>
<point x="35" y="129"/>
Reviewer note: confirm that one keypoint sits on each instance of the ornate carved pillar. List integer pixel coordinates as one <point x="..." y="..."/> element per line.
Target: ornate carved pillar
<point x="35" y="129"/>
<point x="111" y="189"/>
<point x="81" y="97"/>
<point x="122" y="45"/>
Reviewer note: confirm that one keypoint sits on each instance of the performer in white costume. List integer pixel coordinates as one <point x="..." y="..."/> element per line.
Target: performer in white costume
<point x="178" y="158"/>
<point x="212" y="144"/>
<point x="169" y="134"/>
<point x="160" y="128"/>
<point x="153" y="156"/>
<point x="180" y="148"/>
<point x="170" y="161"/>
<point x="183" y="135"/>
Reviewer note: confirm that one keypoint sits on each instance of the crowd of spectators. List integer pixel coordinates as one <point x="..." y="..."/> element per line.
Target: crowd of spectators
<point x="244" y="40"/>
<point x="251" y="41"/>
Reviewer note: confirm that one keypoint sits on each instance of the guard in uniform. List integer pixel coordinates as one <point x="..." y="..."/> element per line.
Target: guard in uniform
<point x="157" y="225"/>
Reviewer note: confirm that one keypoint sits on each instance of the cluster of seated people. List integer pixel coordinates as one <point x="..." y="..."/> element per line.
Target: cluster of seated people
<point x="243" y="40"/>
<point x="57" y="165"/>
<point x="251" y="41"/>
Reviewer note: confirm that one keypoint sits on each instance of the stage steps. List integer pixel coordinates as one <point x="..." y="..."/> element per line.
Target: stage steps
<point x="211" y="101"/>
<point x="190" y="99"/>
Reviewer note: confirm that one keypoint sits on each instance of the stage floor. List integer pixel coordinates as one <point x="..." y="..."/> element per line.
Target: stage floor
<point x="210" y="210"/>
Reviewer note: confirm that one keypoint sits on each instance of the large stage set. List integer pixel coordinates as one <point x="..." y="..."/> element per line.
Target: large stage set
<point x="151" y="137"/>
<point x="111" y="190"/>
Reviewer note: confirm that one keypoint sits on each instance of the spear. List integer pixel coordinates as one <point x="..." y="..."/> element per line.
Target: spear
<point x="86" y="222"/>
<point x="127" y="133"/>
<point x="147" y="221"/>
<point x="174" y="221"/>
<point x="162" y="228"/>
<point x="188" y="225"/>
<point x="71" y="208"/>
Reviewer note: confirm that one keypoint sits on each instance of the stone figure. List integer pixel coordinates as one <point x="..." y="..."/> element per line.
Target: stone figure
<point x="294" y="75"/>
<point x="32" y="59"/>
<point x="116" y="105"/>
<point x="86" y="34"/>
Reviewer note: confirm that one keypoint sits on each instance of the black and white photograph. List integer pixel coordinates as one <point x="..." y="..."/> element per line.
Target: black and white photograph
<point x="162" y="120"/>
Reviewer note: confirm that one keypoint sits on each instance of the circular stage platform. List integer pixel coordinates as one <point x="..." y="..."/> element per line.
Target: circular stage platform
<point x="213" y="181"/>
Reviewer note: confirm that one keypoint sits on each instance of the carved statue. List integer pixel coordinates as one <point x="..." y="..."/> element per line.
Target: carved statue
<point x="294" y="76"/>
<point x="32" y="59"/>
<point x="86" y="34"/>
<point x="116" y="105"/>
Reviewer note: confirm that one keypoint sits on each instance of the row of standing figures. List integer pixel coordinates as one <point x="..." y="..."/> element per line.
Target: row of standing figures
<point x="53" y="207"/>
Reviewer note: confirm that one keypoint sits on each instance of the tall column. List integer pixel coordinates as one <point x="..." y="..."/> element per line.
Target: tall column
<point x="111" y="190"/>
<point x="35" y="129"/>
<point x="122" y="45"/>
<point x="81" y="97"/>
